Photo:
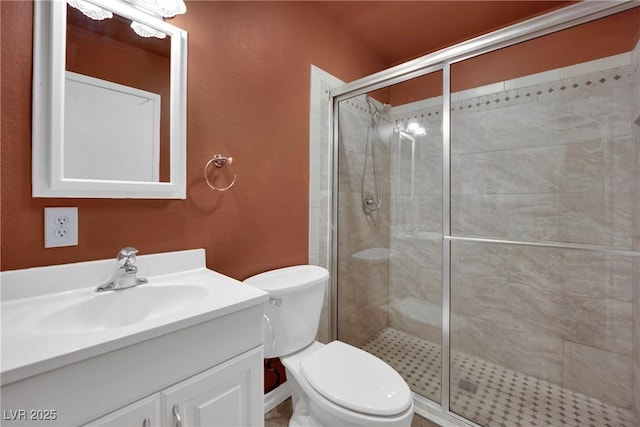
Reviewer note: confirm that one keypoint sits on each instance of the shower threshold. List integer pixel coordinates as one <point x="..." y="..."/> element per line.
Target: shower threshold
<point x="489" y="394"/>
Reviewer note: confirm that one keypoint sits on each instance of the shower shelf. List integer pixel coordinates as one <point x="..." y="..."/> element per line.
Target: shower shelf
<point x="374" y="254"/>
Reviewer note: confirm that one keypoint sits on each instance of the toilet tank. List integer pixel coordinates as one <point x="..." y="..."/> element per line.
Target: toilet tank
<point x="292" y="314"/>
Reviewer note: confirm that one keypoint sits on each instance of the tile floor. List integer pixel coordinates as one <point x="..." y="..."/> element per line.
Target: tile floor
<point x="489" y="394"/>
<point x="279" y="417"/>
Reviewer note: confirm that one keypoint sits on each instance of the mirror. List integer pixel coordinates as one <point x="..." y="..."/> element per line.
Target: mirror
<point x="109" y="106"/>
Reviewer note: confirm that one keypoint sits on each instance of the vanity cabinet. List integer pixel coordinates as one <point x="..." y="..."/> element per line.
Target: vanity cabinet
<point x="212" y="372"/>
<point x="143" y="413"/>
<point x="190" y="339"/>
<point x="218" y="397"/>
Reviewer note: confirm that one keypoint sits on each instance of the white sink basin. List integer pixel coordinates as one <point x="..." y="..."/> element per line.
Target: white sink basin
<point x="52" y="316"/>
<point x="114" y="309"/>
<point x="87" y="312"/>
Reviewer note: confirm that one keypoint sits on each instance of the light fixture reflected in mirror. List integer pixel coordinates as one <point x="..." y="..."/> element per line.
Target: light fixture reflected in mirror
<point x="159" y="8"/>
<point x="146" y="31"/>
<point x="91" y="10"/>
<point x="164" y="8"/>
<point x="413" y="127"/>
<point x="420" y="131"/>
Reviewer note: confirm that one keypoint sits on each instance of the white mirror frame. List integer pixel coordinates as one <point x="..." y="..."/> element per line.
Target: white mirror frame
<point x="49" y="56"/>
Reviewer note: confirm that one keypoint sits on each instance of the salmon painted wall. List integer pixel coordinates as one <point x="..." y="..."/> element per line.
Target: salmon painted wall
<point x="605" y="37"/>
<point x="248" y="97"/>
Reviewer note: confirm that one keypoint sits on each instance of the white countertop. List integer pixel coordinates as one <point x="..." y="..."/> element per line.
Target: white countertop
<point x="31" y="346"/>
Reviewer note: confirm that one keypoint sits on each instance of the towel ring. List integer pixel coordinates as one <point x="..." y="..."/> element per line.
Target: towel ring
<point x="218" y="161"/>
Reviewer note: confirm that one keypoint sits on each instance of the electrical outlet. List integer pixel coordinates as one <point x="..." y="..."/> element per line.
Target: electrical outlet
<point x="60" y="227"/>
<point x="61" y="220"/>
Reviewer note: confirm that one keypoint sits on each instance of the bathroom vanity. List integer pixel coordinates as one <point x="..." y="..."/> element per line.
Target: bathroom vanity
<point x="184" y="349"/>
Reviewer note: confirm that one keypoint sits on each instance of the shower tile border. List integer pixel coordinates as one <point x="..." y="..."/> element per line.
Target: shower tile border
<point x="575" y="70"/>
<point x="478" y="98"/>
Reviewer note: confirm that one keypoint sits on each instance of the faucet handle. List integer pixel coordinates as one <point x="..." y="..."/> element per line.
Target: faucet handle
<point x="125" y="275"/>
<point x="126" y="256"/>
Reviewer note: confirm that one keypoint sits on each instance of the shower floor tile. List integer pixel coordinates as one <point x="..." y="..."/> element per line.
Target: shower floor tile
<point x="490" y="394"/>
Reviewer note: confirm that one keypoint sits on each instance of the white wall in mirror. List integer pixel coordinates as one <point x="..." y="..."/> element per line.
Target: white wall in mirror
<point x="58" y="169"/>
<point x="96" y="149"/>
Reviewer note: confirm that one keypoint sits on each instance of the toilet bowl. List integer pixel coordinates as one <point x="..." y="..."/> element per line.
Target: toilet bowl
<point x="334" y="384"/>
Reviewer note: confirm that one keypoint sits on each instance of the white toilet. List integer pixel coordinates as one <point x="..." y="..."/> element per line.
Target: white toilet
<point x="331" y="385"/>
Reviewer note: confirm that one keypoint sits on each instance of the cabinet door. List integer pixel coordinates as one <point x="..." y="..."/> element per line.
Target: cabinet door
<point x="143" y="413"/>
<point x="227" y="395"/>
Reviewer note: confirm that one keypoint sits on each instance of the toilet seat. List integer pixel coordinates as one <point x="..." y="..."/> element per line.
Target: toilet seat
<point x="356" y="380"/>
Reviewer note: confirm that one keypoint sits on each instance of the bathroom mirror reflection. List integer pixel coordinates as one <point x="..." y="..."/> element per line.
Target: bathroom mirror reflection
<point x="114" y="75"/>
<point x="109" y="104"/>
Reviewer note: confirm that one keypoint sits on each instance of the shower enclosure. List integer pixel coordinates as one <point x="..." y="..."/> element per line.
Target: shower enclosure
<point x="486" y="203"/>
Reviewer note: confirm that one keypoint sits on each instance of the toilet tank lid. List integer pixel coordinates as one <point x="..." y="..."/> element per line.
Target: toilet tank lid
<point x="288" y="279"/>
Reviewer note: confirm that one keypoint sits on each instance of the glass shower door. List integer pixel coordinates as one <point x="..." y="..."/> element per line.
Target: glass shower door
<point x="542" y="250"/>
<point x="390" y="227"/>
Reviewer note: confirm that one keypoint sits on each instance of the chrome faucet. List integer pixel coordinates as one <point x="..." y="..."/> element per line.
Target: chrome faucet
<point x="126" y="270"/>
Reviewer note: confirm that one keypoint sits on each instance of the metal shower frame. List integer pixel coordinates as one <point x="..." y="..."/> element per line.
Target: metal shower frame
<point x="441" y="60"/>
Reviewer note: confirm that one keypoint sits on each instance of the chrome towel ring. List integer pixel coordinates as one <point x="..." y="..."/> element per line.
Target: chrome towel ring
<point x="218" y="160"/>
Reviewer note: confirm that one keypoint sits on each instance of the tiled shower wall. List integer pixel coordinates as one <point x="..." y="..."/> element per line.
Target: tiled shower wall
<point x="570" y="172"/>
<point x="320" y="183"/>
<point x="363" y="254"/>
<point x="415" y="271"/>
<point x="547" y="157"/>
<point x="363" y="274"/>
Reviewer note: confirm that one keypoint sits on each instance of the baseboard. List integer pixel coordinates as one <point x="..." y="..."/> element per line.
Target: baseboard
<point x="276" y="397"/>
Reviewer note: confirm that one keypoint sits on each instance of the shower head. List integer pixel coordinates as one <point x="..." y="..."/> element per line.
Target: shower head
<point x="377" y="107"/>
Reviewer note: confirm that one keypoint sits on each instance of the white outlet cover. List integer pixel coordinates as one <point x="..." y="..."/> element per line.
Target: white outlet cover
<point x="60" y="227"/>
